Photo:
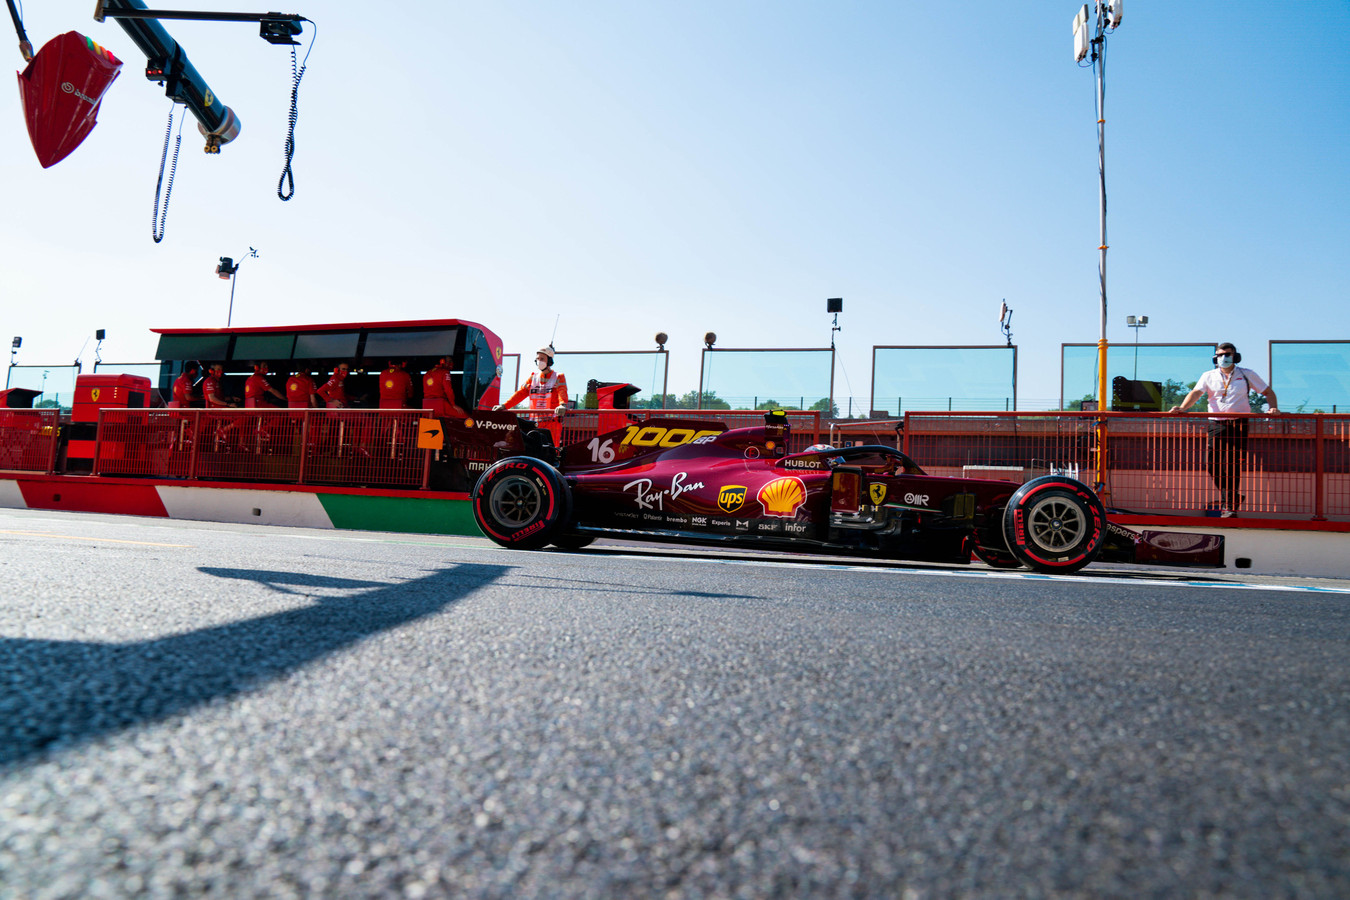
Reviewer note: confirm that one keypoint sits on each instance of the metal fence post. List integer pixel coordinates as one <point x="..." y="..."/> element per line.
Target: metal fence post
<point x="304" y="448"/>
<point x="56" y="439"/>
<point x="1319" y="472"/>
<point x="196" y="442"/>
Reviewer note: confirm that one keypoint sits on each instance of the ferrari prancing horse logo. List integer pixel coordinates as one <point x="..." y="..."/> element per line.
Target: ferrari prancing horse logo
<point x="877" y="492"/>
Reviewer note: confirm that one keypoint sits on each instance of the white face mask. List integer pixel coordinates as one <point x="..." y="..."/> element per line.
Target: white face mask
<point x="541" y="363"/>
<point x="1225" y="361"/>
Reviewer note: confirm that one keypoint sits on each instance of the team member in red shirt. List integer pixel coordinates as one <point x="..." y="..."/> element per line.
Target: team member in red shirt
<point x="395" y="386"/>
<point x="300" y="391"/>
<point x="546" y="388"/>
<point x="333" y="392"/>
<point x="258" y="387"/>
<point x="433" y="388"/>
<point x="185" y="391"/>
<point x="212" y="392"/>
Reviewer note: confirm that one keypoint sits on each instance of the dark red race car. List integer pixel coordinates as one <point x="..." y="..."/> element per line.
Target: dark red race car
<point x="694" y="481"/>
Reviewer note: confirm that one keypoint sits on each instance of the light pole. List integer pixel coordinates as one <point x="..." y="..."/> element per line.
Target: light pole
<point x="1136" y="322"/>
<point x="1106" y="20"/>
<point x="227" y="270"/>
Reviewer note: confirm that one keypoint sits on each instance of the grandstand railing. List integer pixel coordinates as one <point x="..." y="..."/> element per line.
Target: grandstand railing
<point x="1294" y="466"/>
<point x="351" y="447"/>
<point x="28" y="439"/>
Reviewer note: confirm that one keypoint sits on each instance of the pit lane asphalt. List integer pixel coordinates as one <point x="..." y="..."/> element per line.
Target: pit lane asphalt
<point x="190" y="709"/>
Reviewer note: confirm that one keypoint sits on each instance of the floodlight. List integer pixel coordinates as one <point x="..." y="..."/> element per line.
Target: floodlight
<point x="1129" y="320"/>
<point x="226" y="268"/>
<point x="17" y="343"/>
<point x="99" y="334"/>
<point x="1080" y="34"/>
<point x="834" y="305"/>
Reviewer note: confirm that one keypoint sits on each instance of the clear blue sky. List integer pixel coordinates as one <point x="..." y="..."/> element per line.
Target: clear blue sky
<point x="696" y="166"/>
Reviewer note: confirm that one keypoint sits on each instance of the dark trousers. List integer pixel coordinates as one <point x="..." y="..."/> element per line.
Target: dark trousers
<point x="1225" y="452"/>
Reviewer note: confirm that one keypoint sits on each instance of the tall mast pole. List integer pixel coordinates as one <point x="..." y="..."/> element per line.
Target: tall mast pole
<point x="1099" y="66"/>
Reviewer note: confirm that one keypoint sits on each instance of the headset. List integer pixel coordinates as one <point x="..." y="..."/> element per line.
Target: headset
<point x="1237" y="357"/>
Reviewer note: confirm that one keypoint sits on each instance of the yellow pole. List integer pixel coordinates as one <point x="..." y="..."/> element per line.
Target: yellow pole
<point x="1103" y="404"/>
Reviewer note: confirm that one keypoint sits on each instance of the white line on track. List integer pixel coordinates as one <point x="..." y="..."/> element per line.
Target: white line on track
<point x="1129" y="580"/>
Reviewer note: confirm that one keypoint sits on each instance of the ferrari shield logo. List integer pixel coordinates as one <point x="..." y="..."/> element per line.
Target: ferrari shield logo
<point x="731" y="498"/>
<point x="877" y="492"/>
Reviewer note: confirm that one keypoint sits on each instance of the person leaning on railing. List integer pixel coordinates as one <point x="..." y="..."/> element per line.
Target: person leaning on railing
<point x="1227" y="386"/>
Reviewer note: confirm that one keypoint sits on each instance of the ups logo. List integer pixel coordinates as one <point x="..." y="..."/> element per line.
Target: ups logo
<point x="731" y="498"/>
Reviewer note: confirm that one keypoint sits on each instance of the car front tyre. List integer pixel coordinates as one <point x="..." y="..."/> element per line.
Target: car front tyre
<point x="521" y="503"/>
<point x="1054" y="524"/>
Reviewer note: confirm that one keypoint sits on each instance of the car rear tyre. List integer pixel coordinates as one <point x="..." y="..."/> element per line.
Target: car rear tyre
<point x="993" y="557"/>
<point x="573" y="540"/>
<point x="522" y="503"/>
<point x="1054" y="524"/>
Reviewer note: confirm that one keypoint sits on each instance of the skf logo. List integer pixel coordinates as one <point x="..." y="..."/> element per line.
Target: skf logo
<point x="877" y="492"/>
<point x="731" y="498"/>
<point x="782" y="497"/>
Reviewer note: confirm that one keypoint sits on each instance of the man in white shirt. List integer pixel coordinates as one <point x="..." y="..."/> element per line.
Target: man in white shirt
<point x="1227" y="386"/>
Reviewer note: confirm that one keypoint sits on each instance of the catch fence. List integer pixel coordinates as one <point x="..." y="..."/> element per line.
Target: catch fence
<point x="1292" y="466"/>
<point x="359" y="448"/>
<point x="28" y="439"/>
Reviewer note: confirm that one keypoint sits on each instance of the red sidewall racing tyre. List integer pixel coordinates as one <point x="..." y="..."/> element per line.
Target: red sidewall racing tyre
<point x="522" y="503"/>
<point x="573" y="540"/>
<point x="1054" y="524"/>
<point x="993" y="557"/>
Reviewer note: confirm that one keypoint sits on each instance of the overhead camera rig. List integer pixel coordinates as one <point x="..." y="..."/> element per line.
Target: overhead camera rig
<point x="167" y="64"/>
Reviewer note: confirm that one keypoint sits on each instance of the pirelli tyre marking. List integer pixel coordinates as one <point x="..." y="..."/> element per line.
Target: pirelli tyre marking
<point x="521" y="503"/>
<point x="1054" y="524"/>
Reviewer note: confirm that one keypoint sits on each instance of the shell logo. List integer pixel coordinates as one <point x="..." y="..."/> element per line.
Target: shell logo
<point x="389" y="382"/>
<point x="782" y="497"/>
<point x="468" y="423"/>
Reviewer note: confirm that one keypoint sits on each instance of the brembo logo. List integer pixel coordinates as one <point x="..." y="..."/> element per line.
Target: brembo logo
<point x="70" y="89"/>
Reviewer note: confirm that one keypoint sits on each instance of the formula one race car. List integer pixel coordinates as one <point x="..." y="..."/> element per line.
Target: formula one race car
<point x="695" y="481"/>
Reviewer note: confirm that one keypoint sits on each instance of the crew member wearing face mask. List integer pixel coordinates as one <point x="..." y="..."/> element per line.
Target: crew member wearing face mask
<point x="546" y="388"/>
<point x="1227" y="386"/>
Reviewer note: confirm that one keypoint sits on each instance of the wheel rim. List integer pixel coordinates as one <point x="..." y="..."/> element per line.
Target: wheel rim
<point x="1056" y="524"/>
<point x="515" y="501"/>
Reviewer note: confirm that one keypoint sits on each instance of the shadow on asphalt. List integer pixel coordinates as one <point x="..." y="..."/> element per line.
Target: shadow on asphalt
<point x="65" y="692"/>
